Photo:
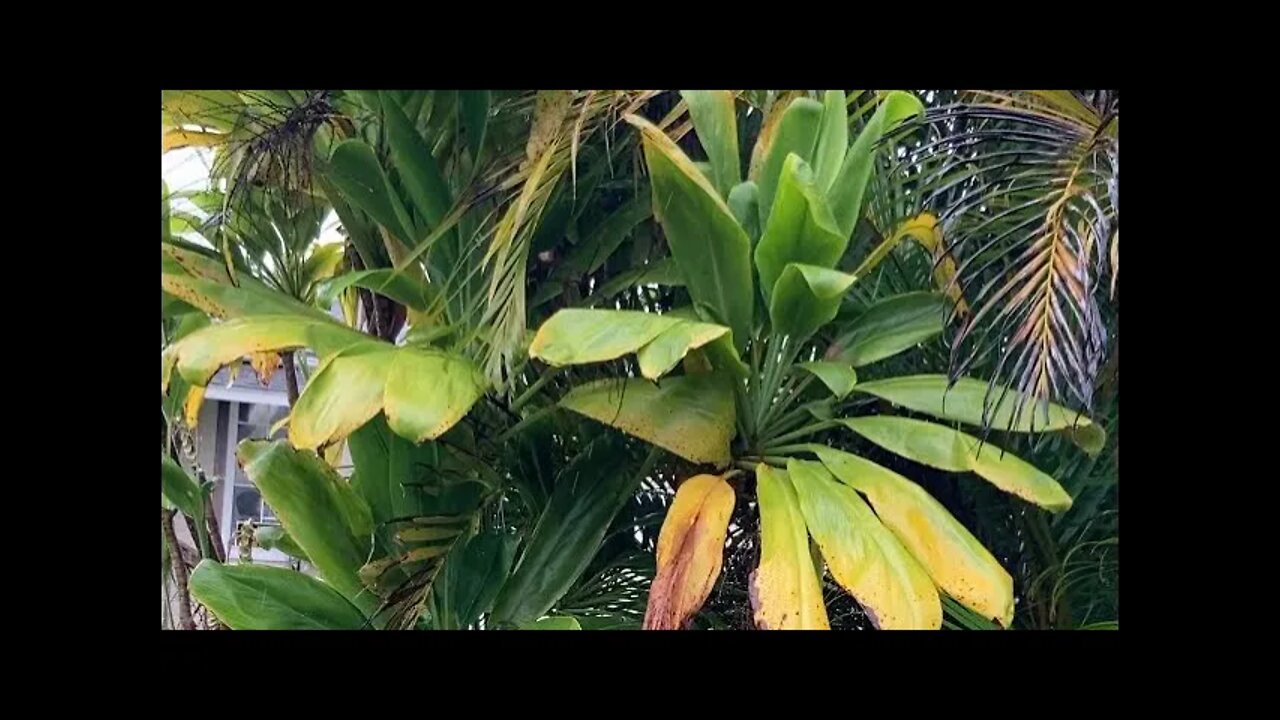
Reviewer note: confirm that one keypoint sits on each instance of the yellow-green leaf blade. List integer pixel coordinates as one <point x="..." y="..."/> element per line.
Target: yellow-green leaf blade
<point x="692" y="416"/>
<point x="690" y="551"/>
<point x="967" y="402"/>
<point x="952" y="556"/>
<point x="785" y="591"/>
<point x="344" y="394"/>
<point x="797" y="133"/>
<point x="891" y="326"/>
<point x="850" y="185"/>
<point x="946" y="449"/>
<point x="839" y="377"/>
<point x="575" y="336"/>
<point x="867" y="560"/>
<point x="833" y="139"/>
<point x="663" y="353"/>
<point x="428" y="392"/>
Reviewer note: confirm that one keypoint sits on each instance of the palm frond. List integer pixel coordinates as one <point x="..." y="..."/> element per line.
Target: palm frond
<point x="1026" y="187"/>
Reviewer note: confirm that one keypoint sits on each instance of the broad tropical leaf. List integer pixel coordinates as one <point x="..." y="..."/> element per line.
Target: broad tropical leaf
<point x="692" y="416"/>
<point x="867" y="560"/>
<point x="970" y="401"/>
<point x="890" y="326"/>
<point x="179" y="489"/>
<point x="797" y="134"/>
<point x="716" y="122"/>
<point x="472" y="577"/>
<point x="839" y="377"/>
<point x="711" y="247"/>
<point x="850" y="184"/>
<point x="800" y="228"/>
<point x="833" y="140"/>
<point x="690" y="551"/>
<point x="587" y="496"/>
<point x="806" y="298"/>
<point x="946" y="449"/>
<point x="319" y="510"/>
<point x="952" y="556"/>
<point x="786" y="593"/>
<point x="261" y="597"/>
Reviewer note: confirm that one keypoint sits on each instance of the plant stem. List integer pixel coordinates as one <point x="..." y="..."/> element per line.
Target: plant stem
<point x="806" y="430"/>
<point x="290" y="376"/>
<point x="788" y="449"/>
<point x="179" y="570"/>
<point x="526" y="422"/>
<point x="533" y="389"/>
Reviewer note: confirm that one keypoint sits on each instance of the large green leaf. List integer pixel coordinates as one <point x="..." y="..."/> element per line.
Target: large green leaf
<point x="319" y="510"/>
<point x="589" y="492"/>
<point x="178" y="488"/>
<point x="355" y="171"/>
<point x="850" y="185"/>
<point x="423" y="391"/>
<point x="404" y="289"/>
<point x="429" y="391"/>
<point x="967" y="402"/>
<point x="576" y="336"/>
<point x="347" y="390"/>
<point x="274" y="537"/>
<point x="892" y="325"/>
<point x="806" y="298"/>
<point x="800" y="228"/>
<point x="716" y="122"/>
<point x="418" y="169"/>
<point x="867" y="560"/>
<point x="664" y="271"/>
<point x="786" y="593"/>
<point x="946" y="449"/>
<point x="712" y="248"/>
<point x="472" y="577"/>
<point x="744" y="203"/>
<point x="262" y="597"/>
<point x="474" y="105"/>
<point x="839" y="378"/>
<point x="797" y="133"/>
<point x="558" y="622"/>
<point x="202" y="281"/>
<point x="833" y="140"/>
<point x="198" y="356"/>
<point x="952" y="556"/>
<point x="692" y="416"/>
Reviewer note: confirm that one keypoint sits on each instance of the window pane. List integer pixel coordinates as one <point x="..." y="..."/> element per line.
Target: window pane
<point x="247" y="504"/>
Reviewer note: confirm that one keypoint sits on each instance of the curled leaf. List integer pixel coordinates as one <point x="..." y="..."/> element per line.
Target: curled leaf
<point x="690" y="551"/>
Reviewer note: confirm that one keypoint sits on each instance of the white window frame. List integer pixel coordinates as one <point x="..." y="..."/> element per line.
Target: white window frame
<point x="235" y="397"/>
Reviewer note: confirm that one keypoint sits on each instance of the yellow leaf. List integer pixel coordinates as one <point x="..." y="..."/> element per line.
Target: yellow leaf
<point x="195" y="398"/>
<point x="176" y="139"/>
<point x="926" y="231"/>
<point x="690" y="551"/>
<point x="265" y="365"/>
<point x="865" y="558"/>
<point x="952" y="556"/>
<point x="786" y="593"/>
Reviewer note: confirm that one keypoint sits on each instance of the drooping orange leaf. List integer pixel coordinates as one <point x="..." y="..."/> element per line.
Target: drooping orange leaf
<point x="690" y="551"/>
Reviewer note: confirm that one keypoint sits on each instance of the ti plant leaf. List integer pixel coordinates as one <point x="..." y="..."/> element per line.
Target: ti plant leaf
<point x="946" y="449"/>
<point x="690" y="551"/>
<point x="691" y="416"/>
<point x="574" y="336"/>
<point x="786" y="593"/>
<point x="261" y="597"/>
<point x="868" y="561"/>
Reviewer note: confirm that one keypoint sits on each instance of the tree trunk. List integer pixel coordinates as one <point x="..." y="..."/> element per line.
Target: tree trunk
<point x="179" y="570"/>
